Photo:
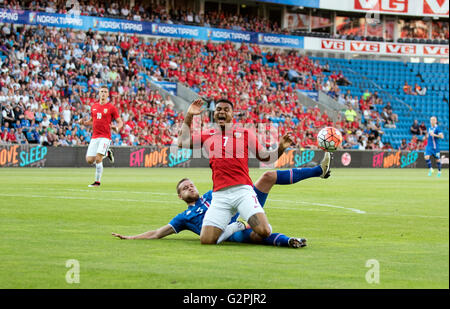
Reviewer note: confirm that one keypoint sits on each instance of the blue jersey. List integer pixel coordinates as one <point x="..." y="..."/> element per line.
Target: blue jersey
<point x="192" y="218"/>
<point x="433" y="142"/>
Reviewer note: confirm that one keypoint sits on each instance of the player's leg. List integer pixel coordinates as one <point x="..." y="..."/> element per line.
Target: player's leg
<point x="91" y="152"/>
<point x="216" y="218"/>
<point x="281" y="240"/>
<point x="428" y="161"/>
<point x="286" y="177"/>
<point x="283" y="177"/>
<point x="260" y="226"/>
<point x="230" y="229"/>
<point x="90" y="159"/>
<point x="266" y="181"/>
<point x="91" y="156"/>
<point x="238" y="231"/>
<point x="98" y="168"/>
<point x="438" y="163"/>
<point x="100" y="147"/>
<point x="110" y="155"/>
<point x="275" y="239"/>
<point x="251" y="211"/>
<point x="210" y="234"/>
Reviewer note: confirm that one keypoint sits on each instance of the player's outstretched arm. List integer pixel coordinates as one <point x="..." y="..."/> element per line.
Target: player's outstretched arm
<point x="265" y="155"/>
<point x="162" y="232"/>
<point x="185" y="138"/>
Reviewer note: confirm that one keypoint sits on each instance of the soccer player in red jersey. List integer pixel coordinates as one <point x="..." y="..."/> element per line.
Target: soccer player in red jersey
<point x="228" y="148"/>
<point x="103" y="113"/>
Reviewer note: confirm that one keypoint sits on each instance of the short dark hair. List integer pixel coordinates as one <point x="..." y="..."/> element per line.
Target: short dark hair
<point x="179" y="183"/>
<point x="225" y="101"/>
<point x="104" y="86"/>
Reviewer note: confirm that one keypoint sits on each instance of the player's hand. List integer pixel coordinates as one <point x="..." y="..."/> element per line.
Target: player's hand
<point x="196" y="107"/>
<point x="121" y="236"/>
<point x="286" y="141"/>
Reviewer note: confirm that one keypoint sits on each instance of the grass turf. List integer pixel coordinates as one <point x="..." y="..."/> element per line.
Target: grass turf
<point x="48" y="216"/>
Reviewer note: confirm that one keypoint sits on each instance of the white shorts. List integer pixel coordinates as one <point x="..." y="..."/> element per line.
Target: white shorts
<point x="98" y="145"/>
<point x="229" y="201"/>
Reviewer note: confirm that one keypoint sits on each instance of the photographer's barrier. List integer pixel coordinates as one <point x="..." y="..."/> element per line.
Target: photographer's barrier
<point x="148" y="157"/>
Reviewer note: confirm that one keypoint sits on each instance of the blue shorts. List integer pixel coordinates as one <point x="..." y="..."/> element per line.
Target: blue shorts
<point x="432" y="152"/>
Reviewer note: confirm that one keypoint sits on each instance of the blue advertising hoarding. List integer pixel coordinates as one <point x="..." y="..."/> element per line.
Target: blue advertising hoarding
<point x="127" y="26"/>
<point x="80" y="22"/>
<point x="168" y="86"/>
<point x="86" y="22"/>
<point x="215" y="34"/>
<point x="178" y="31"/>
<point x="280" y="40"/>
<point x="311" y="94"/>
<point x="15" y="17"/>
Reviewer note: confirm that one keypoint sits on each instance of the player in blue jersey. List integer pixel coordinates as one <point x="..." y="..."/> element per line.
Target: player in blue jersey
<point x="192" y="218"/>
<point x="434" y="133"/>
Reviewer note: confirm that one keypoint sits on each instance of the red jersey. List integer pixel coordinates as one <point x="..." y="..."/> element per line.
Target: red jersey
<point x="102" y="116"/>
<point x="228" y="155"/>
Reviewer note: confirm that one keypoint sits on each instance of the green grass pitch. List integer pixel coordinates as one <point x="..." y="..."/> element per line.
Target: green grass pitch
<point x="398" y="217"/>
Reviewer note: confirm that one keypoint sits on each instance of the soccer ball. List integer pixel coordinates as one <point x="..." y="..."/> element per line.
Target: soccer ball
<point x="329" y="139"/>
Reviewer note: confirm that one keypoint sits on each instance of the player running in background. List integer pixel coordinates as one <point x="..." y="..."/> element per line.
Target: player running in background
<point x="228" y="147"/>
<point x="434" y="133"/>
<point x="192" y="218"/>
<point x="103" y="113"/>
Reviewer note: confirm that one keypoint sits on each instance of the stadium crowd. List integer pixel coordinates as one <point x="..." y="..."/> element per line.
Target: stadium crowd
<point x="159" y="12"/>
<point x="150" y="12"/>
<point x="47" y="86"/>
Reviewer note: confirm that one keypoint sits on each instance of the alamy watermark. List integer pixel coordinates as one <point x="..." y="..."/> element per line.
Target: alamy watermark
<point x="373" y="274"/>
<point x="73" y="274"/>
<point x="232" y="140"/>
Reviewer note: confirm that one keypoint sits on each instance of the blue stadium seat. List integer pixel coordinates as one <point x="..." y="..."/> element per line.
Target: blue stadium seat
<point x="388" y="77"/>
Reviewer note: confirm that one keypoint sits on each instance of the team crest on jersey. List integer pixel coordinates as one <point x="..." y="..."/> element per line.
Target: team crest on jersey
<point x="105" y="110"/>
<point x="237" y="134"/>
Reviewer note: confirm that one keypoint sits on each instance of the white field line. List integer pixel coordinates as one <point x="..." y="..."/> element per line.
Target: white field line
<point x="113" y="199"/>
<point x="117" y="200"/>
<point x="321" y="205"/>
<point x="82" y="198"/>
<point x="106" y="191"/>
<point x="170" y="202"/>
<point x="390" y="214"/>
<point x="160" y="193"/>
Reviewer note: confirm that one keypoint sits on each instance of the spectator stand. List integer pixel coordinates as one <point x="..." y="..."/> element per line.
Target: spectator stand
<point x="387" y="78"/>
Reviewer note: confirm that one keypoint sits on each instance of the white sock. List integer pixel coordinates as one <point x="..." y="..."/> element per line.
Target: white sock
<point x="230" y="230"/>
<point x="98" y="171"/>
